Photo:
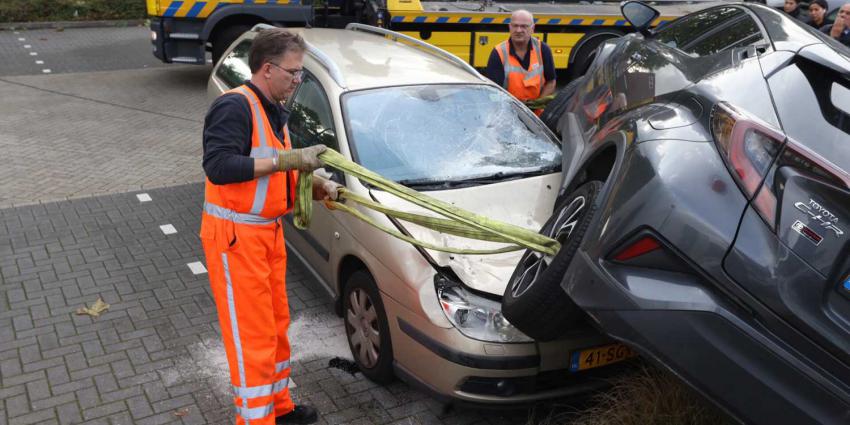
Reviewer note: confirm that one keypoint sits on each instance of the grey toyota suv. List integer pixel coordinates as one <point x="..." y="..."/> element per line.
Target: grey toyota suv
<point x="705" y="208"/>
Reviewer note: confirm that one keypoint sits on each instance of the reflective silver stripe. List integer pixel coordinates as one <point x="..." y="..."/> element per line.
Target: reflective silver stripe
<point x="281" y="366"/>
<point x="234" y="327"/>
<point x="506" y="62"/>
<point x="539" y="51"/>
<point x="259" y="126"/>
<point x="263" y="152"/>
<point x="280" y="385"/>
<point x="230" y="215"/>
<point x="261" y="390"/>
<point x="255" y="412"/>
<point x="260" y="195"/>
<point x="526" y="74"/>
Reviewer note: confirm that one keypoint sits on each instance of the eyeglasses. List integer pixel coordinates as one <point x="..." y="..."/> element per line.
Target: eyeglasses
<point x="295" y="73"/>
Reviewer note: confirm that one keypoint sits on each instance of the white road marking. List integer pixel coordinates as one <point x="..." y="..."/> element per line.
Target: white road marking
<point x="39" y="62"/>
<point x="46" y="71"/>
<point x="27" y="46"/>
<point x="33" y="54"/>
<point x="168" y="229"/>
<point x="144" y="197"/>
<point x="197" y="267"/>
<point x="22" y="39"/>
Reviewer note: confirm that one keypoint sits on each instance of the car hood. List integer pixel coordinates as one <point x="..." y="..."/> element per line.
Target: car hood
<point x="524" y="202"/>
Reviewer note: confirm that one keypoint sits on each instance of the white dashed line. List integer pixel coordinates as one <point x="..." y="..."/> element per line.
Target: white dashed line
<point x="144" y="197"/>
<point x="22" y="39"/>
<point x="33" y="54"/>
<point x="17" y="32"/>
<point x="39" y="62"/>
<point x="197" y="267"/>
<point x="27" y="46"/>
<point x="168" y="229"/>
<point x="46" y="71"/>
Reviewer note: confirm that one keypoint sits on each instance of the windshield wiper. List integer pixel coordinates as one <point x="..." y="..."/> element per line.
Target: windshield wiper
<point x="474" y="181"/>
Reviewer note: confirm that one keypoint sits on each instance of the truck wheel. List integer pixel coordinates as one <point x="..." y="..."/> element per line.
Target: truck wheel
<point x="587" y="53"/>
<point x="224" y="38"/>
<point x="367" y="328"/>
<point x="534" y="301"/>
<point x="556" y="108"/>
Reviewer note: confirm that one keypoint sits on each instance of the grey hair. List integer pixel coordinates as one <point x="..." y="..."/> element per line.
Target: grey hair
<point x="273" y="43"/>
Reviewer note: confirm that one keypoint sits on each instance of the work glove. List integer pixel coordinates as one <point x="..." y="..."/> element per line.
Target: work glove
<point x="305" y="159"/>
<point x="325" y="189"/>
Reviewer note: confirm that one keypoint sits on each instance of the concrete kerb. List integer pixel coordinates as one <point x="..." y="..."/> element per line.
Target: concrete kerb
<point x="14" y="26"/>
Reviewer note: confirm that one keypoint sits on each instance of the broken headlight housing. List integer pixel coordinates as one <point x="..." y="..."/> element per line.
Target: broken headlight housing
<point x="473" y="315"/>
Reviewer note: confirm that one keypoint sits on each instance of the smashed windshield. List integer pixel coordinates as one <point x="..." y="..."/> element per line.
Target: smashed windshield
<point x="440" y="134"/>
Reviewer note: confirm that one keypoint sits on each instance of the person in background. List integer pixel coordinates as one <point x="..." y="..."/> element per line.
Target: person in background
<point x="792" y="7"/>
<point x="522" y="64"/>
<point x="840" y="30"/>
<point x="817" y="13"/>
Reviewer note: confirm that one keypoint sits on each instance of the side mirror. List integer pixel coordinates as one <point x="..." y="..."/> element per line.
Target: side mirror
<point x="640" y="15"/>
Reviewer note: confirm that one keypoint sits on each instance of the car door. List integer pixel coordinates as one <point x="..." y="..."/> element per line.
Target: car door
<point x="310" y="123"/>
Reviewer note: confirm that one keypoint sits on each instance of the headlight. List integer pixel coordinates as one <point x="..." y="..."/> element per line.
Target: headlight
<point x="153" y="35"/>
<point x="475" y="316"/>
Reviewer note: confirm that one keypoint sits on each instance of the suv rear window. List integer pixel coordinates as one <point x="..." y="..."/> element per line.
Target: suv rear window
<point x="812" y="101"/>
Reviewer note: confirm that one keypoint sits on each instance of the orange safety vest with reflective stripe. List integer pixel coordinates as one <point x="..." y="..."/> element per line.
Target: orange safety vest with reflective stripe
<point x="260" y="200"/>
<point x="523" y="84"/>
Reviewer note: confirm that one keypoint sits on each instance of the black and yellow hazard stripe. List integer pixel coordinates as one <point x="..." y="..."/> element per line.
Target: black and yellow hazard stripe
<point x="202" y="9"/>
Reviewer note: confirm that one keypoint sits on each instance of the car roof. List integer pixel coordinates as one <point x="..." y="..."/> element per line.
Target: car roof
<point x="368" y="60"/>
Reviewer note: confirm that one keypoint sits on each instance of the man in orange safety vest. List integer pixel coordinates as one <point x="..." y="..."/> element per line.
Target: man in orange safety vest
<point x="251" y="172"/>
<point x="523" y="65"/>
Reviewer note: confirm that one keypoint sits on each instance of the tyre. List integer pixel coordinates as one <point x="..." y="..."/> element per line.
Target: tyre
<point x="556" y="108"/>
<point x="224" y="38"/>
<point x="367" y="328"/>
<point x="534" y="301"/>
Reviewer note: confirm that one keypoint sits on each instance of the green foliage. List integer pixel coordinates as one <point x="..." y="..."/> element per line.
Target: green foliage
<point x="70" y="10"/>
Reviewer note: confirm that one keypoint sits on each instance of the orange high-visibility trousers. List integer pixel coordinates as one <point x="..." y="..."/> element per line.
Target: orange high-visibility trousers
<point x="247" y="271"/>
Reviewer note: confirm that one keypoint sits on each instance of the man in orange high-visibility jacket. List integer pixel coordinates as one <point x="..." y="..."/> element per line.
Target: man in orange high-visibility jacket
<point x="522" y="64"/>
<point x="251" y="175"/>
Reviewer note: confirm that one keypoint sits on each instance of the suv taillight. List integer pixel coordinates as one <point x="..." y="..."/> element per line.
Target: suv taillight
<point x="748" y="147"/>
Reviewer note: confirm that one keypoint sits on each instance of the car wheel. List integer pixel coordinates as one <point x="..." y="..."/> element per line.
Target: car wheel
<point x="224" y="39"/>
<point x="534" y="301"/>
<point x="367" y="328"/>
<point x="556" y="108"/>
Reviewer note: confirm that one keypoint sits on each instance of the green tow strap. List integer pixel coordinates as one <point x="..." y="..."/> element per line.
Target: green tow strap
<point x="458" y="222"/>
<point x="540" y="102"/>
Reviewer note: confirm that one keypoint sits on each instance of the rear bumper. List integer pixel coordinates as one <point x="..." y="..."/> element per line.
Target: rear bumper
<point x="719" y="351"/>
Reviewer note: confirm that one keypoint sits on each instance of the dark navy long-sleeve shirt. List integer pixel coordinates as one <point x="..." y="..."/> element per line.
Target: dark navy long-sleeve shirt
<point x="496" y="71"/>
<point x="227" y="136"/>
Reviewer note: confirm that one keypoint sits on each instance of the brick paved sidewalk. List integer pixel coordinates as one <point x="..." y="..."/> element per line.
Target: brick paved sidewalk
<point x="155" y="354"/>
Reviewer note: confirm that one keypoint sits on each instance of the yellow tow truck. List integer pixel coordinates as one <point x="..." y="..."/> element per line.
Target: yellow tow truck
<point x="182" y="31"/>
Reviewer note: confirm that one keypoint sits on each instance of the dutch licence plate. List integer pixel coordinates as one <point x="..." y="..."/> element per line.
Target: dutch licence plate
<point x="600" y="356"/>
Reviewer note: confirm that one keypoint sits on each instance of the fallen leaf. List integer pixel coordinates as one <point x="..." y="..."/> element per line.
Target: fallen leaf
<point x="182" y="412"/>
<point x="94" y="311"/>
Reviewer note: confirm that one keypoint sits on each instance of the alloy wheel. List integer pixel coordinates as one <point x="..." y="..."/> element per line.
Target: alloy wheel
<point x="363" y="330"/>
<point x="534" y="263"/>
